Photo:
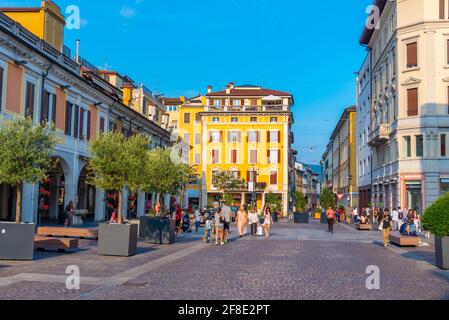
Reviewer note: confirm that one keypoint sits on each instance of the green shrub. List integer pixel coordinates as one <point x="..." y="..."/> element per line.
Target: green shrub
<point x="436" y="217"/>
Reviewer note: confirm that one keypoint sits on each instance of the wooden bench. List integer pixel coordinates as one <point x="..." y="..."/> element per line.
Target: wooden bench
<point x="58" y="244"/>
<point x="365" y="227"/>
<point x="404" y="241"/>
<point x="82" y="233"/>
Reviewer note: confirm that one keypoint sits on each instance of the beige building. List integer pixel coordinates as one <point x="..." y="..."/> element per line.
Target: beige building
<point x="409" y="104"/>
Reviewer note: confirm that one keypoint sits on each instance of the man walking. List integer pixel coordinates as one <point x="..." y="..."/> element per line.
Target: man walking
<point x="227" y="214"/>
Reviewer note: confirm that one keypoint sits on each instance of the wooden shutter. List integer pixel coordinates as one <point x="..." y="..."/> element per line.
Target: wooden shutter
<point x="247" y="176"/>
<point x="268" y="156"/>
<point x="1" y="87"/>
<point x="279" y="156"/>
<point x="279" y="137"/>
<point x="412" y="55"/>
<point x="81" y="128"/>
<point x="76" y="126"/>
<point x="223" y="102"/>
<point x="221" y="136"/>
<point x="442" y="9"/>
<point x="88" y="125"/>
<point x="68" y="118"/>
<point x="273" y="178"/>
<point x="54" y="110"/>
<point x="268" y="136"/>
<point x="233" y="156"/>
<point x="447" y="52"/>
<point x="258" y="136"/>
<point x="412" y="102"/>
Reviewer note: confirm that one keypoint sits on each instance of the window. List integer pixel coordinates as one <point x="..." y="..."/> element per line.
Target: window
<point x="273" y="119"/>
<point x="197" y="158"/>
<point x="29" y="100"/>
<point x="253" y="136"/>
<point x="408" y="147"/>
<point x="76" y="126"/>
<point x="45" y="107"/>
<point x="88" y="125"/>
<point x="273" y="156"/>
<point x="419" y="145"/>
<point x="234" y="136"/>
<point x="217" y="103"/>
<point x="68" y="118"/>
<point x="81" y="128"/>
<point x="234" y="119"/>
<point x="412" y="102"/>
<point x="187" y="138"/>
<point x="186" y="117"/>
<point x="443" y="145"/>
<point x="198" y="138"/>
<point x="215" y="136"/>
<point x="1" y="87"/>
<point x="253" y="119"/>
<point x="102" y="128"/>
<point x="215" y="119"/>
<point x="144" y="108"/>
<point x="274" y="137"/>
<point x="253" y="156"/>
<point x="273" y="177"/>
<point x="237" y="103"/>
<point x="234" y="155"/>
<point x="53" y="109"/>
<point x="215" y="156"/>
<point x="412" y="55"/>
<point x="442" y="9"/>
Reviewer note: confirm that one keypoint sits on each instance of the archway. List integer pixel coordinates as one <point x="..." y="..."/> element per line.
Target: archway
<point x="8" y="197"/>
<point x="86" y="195"/>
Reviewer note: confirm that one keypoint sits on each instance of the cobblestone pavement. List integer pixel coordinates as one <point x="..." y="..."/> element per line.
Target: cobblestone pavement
<point x="297" y="262"/>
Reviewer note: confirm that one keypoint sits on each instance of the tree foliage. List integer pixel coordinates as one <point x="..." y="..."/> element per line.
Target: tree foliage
<point x="300" y="201"/>
<point x="436" y="217"/>
<point x="274" y="201"/>
<point x="26" y="151"/>
<point x="227" y="181"/>
<point x="327" y="198"/>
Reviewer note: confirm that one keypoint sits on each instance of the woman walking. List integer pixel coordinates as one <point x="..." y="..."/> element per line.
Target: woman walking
<point x="330" y="215"/>
<point x="268" y="221"/>
<point x="69" y="214"/>
<point x="386" y="226"/>
<point x="242" y="221"/>
<point x="253" y="219"/>
<point x="219" y="226"/>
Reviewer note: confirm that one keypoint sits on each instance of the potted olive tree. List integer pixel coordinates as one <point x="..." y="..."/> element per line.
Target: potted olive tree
<point x="25" y="156"/>
<point x="300" y="203"/>
<point x="436" y="221"/>
<point x="118" y="163"/>
<point x="164" y="176"/>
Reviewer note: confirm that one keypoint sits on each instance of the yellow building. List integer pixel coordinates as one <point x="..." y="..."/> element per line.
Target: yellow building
<point x="245" y="130"/>
<point x="46" y="22"/>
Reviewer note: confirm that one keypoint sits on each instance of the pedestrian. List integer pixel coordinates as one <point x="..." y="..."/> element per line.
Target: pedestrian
<point x="253" y="220"/>
<point x="197" y="220"/>
<point x="69" y="214"/>
<point x="355" y="214"/>
<point x="219" y="226"/>
<point x="268" y="221"/>
<point x="386" y="226"/>
<point x="178" y="219"/>
<point x="242" y="221"/>
<point x="331" y="217"/>
<point x="208" y="229"/>
<point x="394" y="220"/>
<point x="158" y="208"/>
<point x="227" y="214"/>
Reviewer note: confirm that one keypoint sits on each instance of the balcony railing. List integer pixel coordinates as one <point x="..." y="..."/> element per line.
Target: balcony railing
<point x="380" y="135"/>
<point x="40" y="45"/>
<point x="229" y="108"/>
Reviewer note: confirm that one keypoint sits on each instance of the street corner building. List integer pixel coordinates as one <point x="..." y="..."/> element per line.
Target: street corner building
<point x="40" y="78"/>
<point x="403" y="99"/>
<point x="243" y="129"/>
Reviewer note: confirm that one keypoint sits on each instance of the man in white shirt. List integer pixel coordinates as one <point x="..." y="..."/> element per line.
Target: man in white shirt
<point x="355" y="213"/>
<point x="197" y="220"/>
<point x="395" y="219"/>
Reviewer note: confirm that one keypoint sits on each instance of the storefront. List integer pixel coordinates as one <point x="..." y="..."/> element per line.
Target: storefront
<point x="414" y="195"/>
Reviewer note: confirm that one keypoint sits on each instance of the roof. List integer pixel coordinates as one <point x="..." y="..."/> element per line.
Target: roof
<point x="343" y="117"/>
<point x="171" y="101"/>
<point x="368" y="33"/>
<point x="249" y="91"/>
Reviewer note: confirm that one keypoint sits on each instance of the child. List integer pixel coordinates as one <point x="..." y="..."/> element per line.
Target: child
<point x="208" y="230"/>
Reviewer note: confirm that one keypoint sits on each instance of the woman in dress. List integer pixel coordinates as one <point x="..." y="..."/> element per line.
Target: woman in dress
<point x="242" y="221"/>
<point x="268" y="221"/>
<point x="219" y="226"/>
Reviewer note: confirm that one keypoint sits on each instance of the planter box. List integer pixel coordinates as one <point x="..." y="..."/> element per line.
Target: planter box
<point x="302" y="218"/>
<point x="17" y="241"/>
<point x="442" y="252"/>
<point x="117" y="240"/>
<point x="157" y="230"/>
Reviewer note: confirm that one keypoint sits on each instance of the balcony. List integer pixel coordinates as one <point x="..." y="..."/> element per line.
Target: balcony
<point x="380" y="135"/>
<point x="263" y="108"/>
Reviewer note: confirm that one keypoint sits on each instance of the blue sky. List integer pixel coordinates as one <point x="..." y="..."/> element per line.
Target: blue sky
<point x="179" y="47"/>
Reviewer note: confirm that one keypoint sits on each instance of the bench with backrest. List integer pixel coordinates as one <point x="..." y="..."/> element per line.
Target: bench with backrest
<point x="52" y="243"/>
<point x="365" y="227"/>
<point x="82" y="233"/>
<point x="404" y="241"/>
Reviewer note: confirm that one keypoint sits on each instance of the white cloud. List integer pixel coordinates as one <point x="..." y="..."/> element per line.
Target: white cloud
<point x="127" y="12"/>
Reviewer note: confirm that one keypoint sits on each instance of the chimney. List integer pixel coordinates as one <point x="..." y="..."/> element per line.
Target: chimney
<point x="209" y="89"/>
<point x="231" y="84"/>
<point x="77" y="54"/>
<point x="228" y="89"/>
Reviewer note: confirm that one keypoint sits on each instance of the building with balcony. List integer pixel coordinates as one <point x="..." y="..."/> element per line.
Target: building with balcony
<point x="243" y="129"/>
<point x="364" y="133"/>
<point x="49" y="85"/>
<point x="409" y="102"/>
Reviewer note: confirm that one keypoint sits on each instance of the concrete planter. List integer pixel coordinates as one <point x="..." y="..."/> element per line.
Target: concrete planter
<point x="302" y="218"/>
<point x="442" y="252"/>
<point x="17" y="241"/>
<point x="117" y="240"/>
<point x="157" y="230"/>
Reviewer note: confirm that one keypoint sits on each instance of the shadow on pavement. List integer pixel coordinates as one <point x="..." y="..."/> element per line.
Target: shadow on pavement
<point x="41" y="255"/>
<point x="427" y="256"/>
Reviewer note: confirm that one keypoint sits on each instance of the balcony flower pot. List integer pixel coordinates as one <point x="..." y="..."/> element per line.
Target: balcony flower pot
<point x="157" y="230"/>
<point x="117" y="239"/>
<point x="17" y="241"/>
<point x="302" y="218"/>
